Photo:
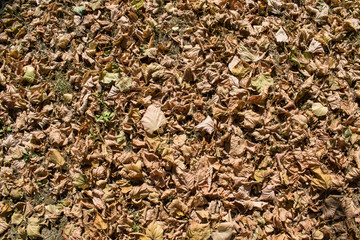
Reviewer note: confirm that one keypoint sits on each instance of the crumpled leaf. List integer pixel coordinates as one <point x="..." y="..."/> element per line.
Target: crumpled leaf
<point x="238" y="67"/>
<point x="261" y="174"/>
<point x="199" y="231"/>
<point x="154" y="231"/>
<point x="110" y="77"/>
<point x="281" y="36"/>
<point x="123" y="83"/>
<point x="224" y="231"/>
<point x="33" y="228"/>
<point x="321" y="180"/>
<point x="81" y="181"/>
<point x="79" y="10"/>
<point x="29" y="75"/>
<point x="261" y="81"/>
<point x="318" y="109"/>
<point x="153" y="119"/>
<point x="207" y="125"/>
<point x="3" y="225"/>
<point x="352" y="24"/>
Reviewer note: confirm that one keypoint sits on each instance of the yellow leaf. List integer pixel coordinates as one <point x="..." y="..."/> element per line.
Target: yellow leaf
<point x="199" y="231"/>
<point x="154" y="231"/>
<point x="321" y="180"/>
<point x="99" y="223"/>
<point x="260" y="175"/>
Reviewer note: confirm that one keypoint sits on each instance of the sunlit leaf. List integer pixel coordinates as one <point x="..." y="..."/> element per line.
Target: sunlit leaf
<point x="319" y="110"/>
<point x="154" y="231"/>
<point x="261" y="81"/>
<point x="153" y="119"/>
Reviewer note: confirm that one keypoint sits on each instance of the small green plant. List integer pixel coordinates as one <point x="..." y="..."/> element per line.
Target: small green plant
<point x="106" y="116"/>
<point x="61" y="84"/>
<point x="5" y="129"/>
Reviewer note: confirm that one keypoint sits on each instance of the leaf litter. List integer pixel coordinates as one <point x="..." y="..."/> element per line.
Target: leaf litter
<point x="179" y="120"/>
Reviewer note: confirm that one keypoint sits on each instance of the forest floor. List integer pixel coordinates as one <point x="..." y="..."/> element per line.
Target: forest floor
<point x="187" y="119"/>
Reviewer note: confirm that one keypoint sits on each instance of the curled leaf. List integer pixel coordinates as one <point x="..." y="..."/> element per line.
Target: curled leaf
<point x="224" y="231"/>
<point x="199" y="231"/>
<point x="3" y="225"/>
<point x="29" y="75"/>
<point x="281" y="36"/>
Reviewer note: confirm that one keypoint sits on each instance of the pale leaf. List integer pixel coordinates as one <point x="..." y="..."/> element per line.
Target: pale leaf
<point x="207" y="125"/>
<point x="224" y="231"/>
<point x="281" y="36"/>
<point x="153" y="119"/>
<point x="33" y="228"/>
<point x="154" y="231"/>
<point x="319" y="110"/>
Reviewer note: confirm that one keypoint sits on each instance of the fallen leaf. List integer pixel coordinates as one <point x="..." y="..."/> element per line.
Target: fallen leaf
<point x="281" y="36"/>
<point x="55" y="157"/>
<point x="321" y="180"/>
<point x="318" y="109"/>
<point x="154" y="231"/>
<point x="261" y="81"/>
<point x="99" y="223"/>
<point x="3" y="226"/>
<point x="224" y="231"/>
<point x="198" y="231"/>
<point x="153" y="119"/>
<point x="33" y="228"/>
<point x="207" y="125"/>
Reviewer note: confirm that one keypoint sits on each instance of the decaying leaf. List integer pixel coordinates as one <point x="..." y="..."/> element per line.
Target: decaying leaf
<point x="29" y="75"/>
<point x="153" y="119"/>
<point x="100" y="223"/>
<point x="281" y="36"/>
<point x="55" y="157"/>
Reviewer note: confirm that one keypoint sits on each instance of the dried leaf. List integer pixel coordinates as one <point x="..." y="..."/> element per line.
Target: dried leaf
<point x="224" y="231"/>
<point x="3" y="226"/>
<point x="321" y="180"/>
<point x="199" y="231"/>
<point x="261" y="81"/>
<point x="153" y="119"/>
<point x="281" y="36"/>
<point x="154" y="231"/>
<point x="99" y="223"/>
<point x="319" y="110"/>
<point x="29" y="75"/>
<point x="55" y="157"/>
<point x="33" y="228"/>
<point x="207" y="125"/>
